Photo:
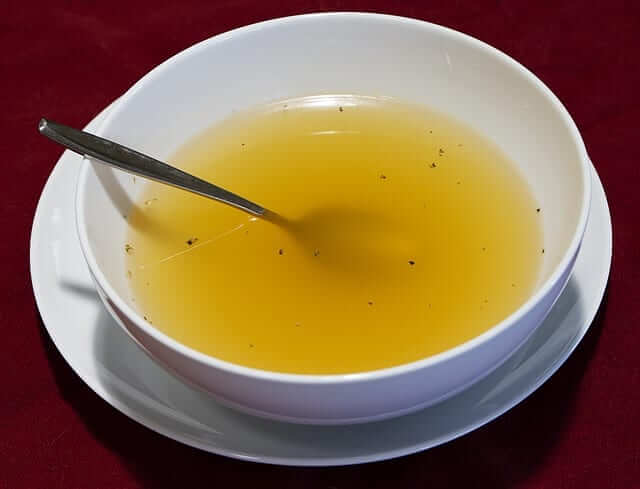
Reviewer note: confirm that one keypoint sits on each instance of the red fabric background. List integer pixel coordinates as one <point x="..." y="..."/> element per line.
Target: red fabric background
<point x="69" y="60"/>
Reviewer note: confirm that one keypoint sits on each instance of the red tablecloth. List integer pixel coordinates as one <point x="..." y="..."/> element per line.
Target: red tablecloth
<point x="68" y="60"/>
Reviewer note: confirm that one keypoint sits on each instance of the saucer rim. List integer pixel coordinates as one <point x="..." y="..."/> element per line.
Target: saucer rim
<point x="132" y="413"/>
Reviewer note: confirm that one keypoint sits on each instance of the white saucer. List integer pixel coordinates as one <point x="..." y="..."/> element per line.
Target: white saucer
<point x="119" y="372"/>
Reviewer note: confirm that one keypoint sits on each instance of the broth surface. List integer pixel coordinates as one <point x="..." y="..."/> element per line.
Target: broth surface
<point x="407" y="233"/>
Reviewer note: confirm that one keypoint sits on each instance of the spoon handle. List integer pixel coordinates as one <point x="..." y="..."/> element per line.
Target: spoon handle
<point x="131" y="161"/>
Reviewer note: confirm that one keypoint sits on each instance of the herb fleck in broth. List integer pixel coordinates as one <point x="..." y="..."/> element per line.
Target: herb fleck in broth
<point x="408" y="234"/>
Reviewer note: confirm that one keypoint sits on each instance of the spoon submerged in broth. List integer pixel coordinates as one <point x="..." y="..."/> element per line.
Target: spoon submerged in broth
<point x="351" y="240"/>
<point x="134" y="162"/>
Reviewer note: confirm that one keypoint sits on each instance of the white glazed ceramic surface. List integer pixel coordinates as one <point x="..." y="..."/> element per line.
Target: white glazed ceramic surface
<point x="342" y="53"/>
<point x="119" y="372"/>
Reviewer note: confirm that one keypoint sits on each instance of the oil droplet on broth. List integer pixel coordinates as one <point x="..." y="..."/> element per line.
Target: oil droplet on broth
<point x="405" y="233"/>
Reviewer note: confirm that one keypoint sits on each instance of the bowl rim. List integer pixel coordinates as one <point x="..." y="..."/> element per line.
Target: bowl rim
<point x="370" y="375"/>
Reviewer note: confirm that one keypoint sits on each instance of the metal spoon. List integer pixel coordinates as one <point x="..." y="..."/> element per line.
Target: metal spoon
<point x="137" y="163"/>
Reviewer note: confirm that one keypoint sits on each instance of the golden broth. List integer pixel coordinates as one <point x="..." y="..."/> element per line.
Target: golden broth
<point x="408" y="233"/>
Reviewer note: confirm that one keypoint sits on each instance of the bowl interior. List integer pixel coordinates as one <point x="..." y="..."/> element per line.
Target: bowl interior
<point x="339" y="53"/>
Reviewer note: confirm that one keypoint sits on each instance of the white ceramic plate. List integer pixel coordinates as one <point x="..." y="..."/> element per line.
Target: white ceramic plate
<point x="119" y="372"/>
